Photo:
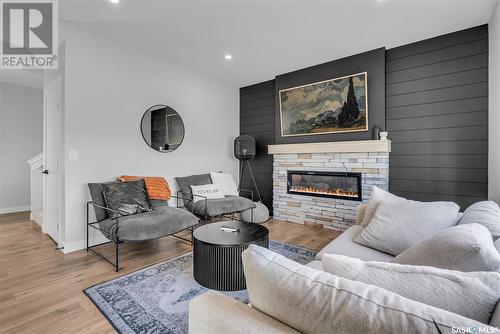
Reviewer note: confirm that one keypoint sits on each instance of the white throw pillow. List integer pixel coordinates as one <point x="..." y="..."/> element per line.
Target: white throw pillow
<point x="313" y="301"/>
<point x="473" y="295"/>
<point x="397" y="225"/>
<point x="226" y="181"/>
<point x="467" y="247"/>
<point x="210" y="191"/>
<point x="360" y="213"/>
<point x="377" y="196"/>
<point x="486" y="213"/>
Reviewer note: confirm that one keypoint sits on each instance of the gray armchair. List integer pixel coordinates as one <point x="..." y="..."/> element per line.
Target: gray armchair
<point x="208" y="209"/>
<point x="161" y="221"/>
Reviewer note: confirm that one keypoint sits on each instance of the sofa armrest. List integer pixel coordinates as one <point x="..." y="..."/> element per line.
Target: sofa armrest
<point x="213" y="312"/>
<point x="360" y="213"/>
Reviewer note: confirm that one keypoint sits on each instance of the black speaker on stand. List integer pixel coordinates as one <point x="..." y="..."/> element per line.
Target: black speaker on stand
<point x="244" y="150"/>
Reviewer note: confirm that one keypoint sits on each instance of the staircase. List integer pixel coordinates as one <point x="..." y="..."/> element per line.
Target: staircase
<point x="36" y="165"/>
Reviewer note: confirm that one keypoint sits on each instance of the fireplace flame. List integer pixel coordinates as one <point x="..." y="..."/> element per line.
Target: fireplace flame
<point x="334" y="192"/>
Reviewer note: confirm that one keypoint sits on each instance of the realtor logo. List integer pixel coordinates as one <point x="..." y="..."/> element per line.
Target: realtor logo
<point x="29" y="34"/>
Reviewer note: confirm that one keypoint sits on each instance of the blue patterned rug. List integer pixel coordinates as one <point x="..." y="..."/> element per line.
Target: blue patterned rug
<point x="155" y="299"/>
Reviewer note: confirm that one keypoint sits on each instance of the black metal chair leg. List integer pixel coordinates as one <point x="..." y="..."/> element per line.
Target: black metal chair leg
<point x="88" y="227"/>
<point x="116" y="256"/>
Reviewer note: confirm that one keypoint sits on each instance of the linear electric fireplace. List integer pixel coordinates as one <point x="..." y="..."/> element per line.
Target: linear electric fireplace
<point x="325" y="184"/>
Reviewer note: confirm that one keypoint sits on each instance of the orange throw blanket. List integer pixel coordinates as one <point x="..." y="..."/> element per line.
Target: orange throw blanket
<point x="156" y="186"/>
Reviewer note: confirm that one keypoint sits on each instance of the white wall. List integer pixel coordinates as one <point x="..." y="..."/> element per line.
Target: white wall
<point x="494" y="106"/>
<point x="21" y="113"/>
<point x="108" y="87"/>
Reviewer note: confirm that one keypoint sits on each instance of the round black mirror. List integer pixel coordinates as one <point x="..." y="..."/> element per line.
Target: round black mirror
<point x="162" y="128"/>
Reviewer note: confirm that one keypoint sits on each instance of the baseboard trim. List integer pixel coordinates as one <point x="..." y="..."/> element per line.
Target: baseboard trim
<point x="74" y="246"/>
<point x="82" y="244"/>
<point x="15" y="209"/>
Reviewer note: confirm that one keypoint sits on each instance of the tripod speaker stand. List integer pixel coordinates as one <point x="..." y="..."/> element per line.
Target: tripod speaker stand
<point x="244" y="150"/>
<point x="242" y="169"/>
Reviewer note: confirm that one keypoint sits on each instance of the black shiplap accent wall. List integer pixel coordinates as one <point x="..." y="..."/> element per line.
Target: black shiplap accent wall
<point x="372" y="62"/>
<point x="437" y="117"/>
<point x="257" y="118"/>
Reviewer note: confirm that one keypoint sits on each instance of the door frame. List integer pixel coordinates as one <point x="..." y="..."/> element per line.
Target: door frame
<point x="48" y="87"/>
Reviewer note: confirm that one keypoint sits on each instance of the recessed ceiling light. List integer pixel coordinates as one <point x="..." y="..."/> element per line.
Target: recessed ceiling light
<point x="228" y="57"/>
<point x="114" y="1"/>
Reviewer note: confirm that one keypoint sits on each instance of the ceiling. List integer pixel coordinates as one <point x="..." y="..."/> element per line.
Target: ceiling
<point x="267" y="38"/>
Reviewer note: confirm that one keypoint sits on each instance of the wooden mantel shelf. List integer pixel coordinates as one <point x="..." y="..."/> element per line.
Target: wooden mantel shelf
<point x="332" y="147"/>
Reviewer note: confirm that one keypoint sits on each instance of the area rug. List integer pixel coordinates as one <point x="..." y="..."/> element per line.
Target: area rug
<point x="155" y="299"/>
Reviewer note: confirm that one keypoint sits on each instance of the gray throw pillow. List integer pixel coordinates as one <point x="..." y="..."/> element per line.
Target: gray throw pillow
<point x="184" y="184"/>
<point x="127" y="198"/>
<point x="97" y="195"/>
<point x="473" y="295"/>
<point x="497" y="245"/>
<point x="486" y="213"/>
<point x="377" y="196"/>
<point x="467" y="247"/>
<point x="397" y="225"/>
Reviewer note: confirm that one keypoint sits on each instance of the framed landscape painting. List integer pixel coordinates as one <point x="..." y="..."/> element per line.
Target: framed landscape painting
<point x="330" y="106"/>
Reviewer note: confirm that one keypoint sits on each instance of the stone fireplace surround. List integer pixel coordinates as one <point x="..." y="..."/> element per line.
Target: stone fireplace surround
<point x="368" y="157"/>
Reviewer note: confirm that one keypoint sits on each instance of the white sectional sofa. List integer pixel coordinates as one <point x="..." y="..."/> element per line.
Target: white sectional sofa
<point x="287" y="297"/>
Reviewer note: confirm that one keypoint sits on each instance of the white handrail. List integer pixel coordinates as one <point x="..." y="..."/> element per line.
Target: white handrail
<point x="36" y="162"/>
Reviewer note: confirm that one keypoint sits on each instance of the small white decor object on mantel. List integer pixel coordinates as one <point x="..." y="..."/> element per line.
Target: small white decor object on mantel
<point x="210" y="191"/>
<point x="260" y="214"/>
<point x="226" y="181"/>
<point x="383" y="135"/>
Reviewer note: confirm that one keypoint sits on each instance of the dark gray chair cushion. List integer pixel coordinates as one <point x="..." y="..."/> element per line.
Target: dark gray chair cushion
<point x="154" y="224"/>
<point x="184" y="185"/>
<point x="96" y="193"/>
<point x="156" y="203"/>
<point x="127" y="198"/>
<point x="229" y="204"/>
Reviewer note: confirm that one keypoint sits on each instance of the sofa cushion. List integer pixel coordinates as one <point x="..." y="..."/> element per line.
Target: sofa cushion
<point x="214" y="312"/>
<point x="360" y="213"/>
<point x="184" y="185"/>
<point x="486" y="213"/>
<point x="497" y="244"/>
<point x="216" y="207"/>
<point x="97" y="196"/>
<point x="312" y="301"/>
<point x="473" y="295"/>
<point x="398" y="225"/>
<point x="377" y="196"/>
<point x="467" y="247"/>
<point x="160" y="222"/>
<point x="344" y="245"/>
<point x="316" y="265"/>
<point x="126" y="198"/>
<point x="495" y="318"/>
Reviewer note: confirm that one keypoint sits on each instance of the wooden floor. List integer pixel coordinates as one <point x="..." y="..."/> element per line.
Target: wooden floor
<point x="41" y="288"/>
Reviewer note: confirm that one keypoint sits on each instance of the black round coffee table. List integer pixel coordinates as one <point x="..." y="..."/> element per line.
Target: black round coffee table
<point x="217" y="254"/>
